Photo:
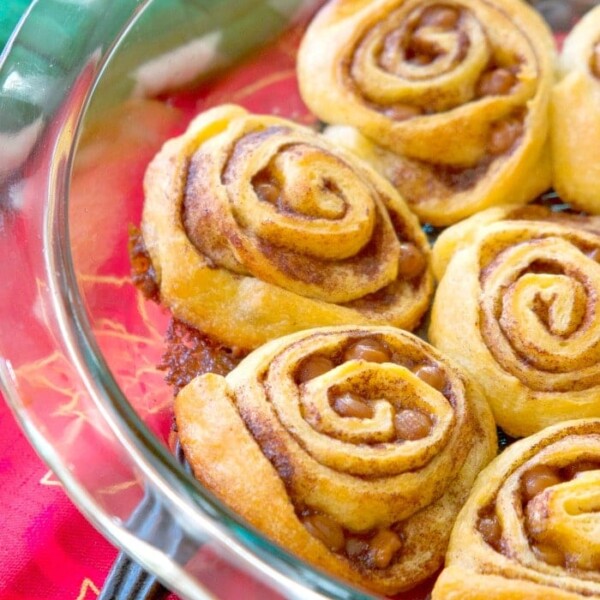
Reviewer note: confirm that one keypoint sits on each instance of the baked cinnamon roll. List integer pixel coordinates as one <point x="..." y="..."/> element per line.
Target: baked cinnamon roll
<point x="364" y="443"/>
<point x="530" y="529"/>
<point x="518" y="307"/>
<point x="575" y="124"/>
<point x="450" y="97"/>
<point x="257" y="227"/>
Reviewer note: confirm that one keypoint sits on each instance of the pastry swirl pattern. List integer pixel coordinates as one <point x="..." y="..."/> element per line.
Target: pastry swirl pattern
<point x="518" y="306"/>
<point x="364" y="442"/>
<point x="530" y="528"/>
<point x="454" y="94"/>
<point x="258" y="227"/>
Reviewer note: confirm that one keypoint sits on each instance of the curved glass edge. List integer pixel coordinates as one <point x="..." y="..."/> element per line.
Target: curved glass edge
<point x="41" y="105"/>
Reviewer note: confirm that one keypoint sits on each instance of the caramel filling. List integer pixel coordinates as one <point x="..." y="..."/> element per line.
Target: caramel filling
<point x="595" y="61"/>
<point x="490" y="529"/>
<point x="537" y="479"/>
<point x="534" y="491"/>
<point x="376" y="549"/>
<point x="409" y="424"/>
<point x="432" y="375"/>
<point x="411" y="262"/>
<point x="383" y="548"/>
<point x="143" y="274"/>
<point x="504" y="135"/>
<point x="572" y="470"/>
<point x="327" y="530"/>
<point x="371" y="350"/>
<point x="267" y="189"/>
<point x="412" y="424"/>
<point x="533" y="483"/>
<point x="498" y="81"/>
<point x="312" y="367"/>
<point x="561" y="520"/>
<point x="352" y="405"/>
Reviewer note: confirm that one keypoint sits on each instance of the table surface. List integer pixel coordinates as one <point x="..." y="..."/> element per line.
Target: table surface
<point x="48" y="551"/>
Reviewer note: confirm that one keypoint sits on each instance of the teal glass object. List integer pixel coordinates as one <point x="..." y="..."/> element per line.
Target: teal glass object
<point x="10" y="15"/>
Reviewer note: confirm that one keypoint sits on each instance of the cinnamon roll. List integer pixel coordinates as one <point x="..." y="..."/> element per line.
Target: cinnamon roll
<point x="531" y="527"/>
<point x="257" y="227"/>
<point x="518" y="307"/>
<point x="575" y="125"/>
<point x="363" y="441"/>
<point x="450" y="97"/>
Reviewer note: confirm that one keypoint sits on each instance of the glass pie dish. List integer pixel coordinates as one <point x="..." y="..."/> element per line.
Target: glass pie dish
<point x="86" y="100"/>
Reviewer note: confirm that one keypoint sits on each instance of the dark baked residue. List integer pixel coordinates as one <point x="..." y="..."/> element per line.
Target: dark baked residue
<point x="190" y="353"/>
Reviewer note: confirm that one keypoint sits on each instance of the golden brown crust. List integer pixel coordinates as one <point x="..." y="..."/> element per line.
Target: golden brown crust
<point x="322" y="246"/>
<point x="459" y="111"/>
<point x="307" y="458"/>
<point x="517" y="306"/>
<point x="575" y="116"/>
<point x="462" y="234"/>
<point x="563" y="515"/>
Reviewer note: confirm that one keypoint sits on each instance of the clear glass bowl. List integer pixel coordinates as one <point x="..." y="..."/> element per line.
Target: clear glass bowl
<point x="84" y="105"/>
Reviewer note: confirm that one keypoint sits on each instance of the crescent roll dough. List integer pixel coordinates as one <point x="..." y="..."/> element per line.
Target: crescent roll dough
<point x="449" y="99"/>
<point x="258" y="227"/>
<point x="363" y="443"/>
<point x="518" y="306"/>
<point x="575" y="125"/>
<point x="531" y="527"/>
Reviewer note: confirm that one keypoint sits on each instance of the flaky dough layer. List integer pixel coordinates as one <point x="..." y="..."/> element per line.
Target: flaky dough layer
<point x="575" y="123"/>
<point x="323" y="245"/>
<point x="562" y="518"/>
<point x="452" y="106"/>
<point x="517" y="306"/>
<point x="274" y="449"/>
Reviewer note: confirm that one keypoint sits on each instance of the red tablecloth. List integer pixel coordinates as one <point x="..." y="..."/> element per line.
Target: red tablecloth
<point x="47" y="549"/>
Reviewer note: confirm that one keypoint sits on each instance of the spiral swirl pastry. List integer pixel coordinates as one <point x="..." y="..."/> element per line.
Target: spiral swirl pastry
<point x="575" y="123"/>
<point x="453" y="94"/>
<point x="531" y="527"/>
<point x="518" y="306"/>
<point x="363" y="441"/>
<point x="258" y="227"/>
